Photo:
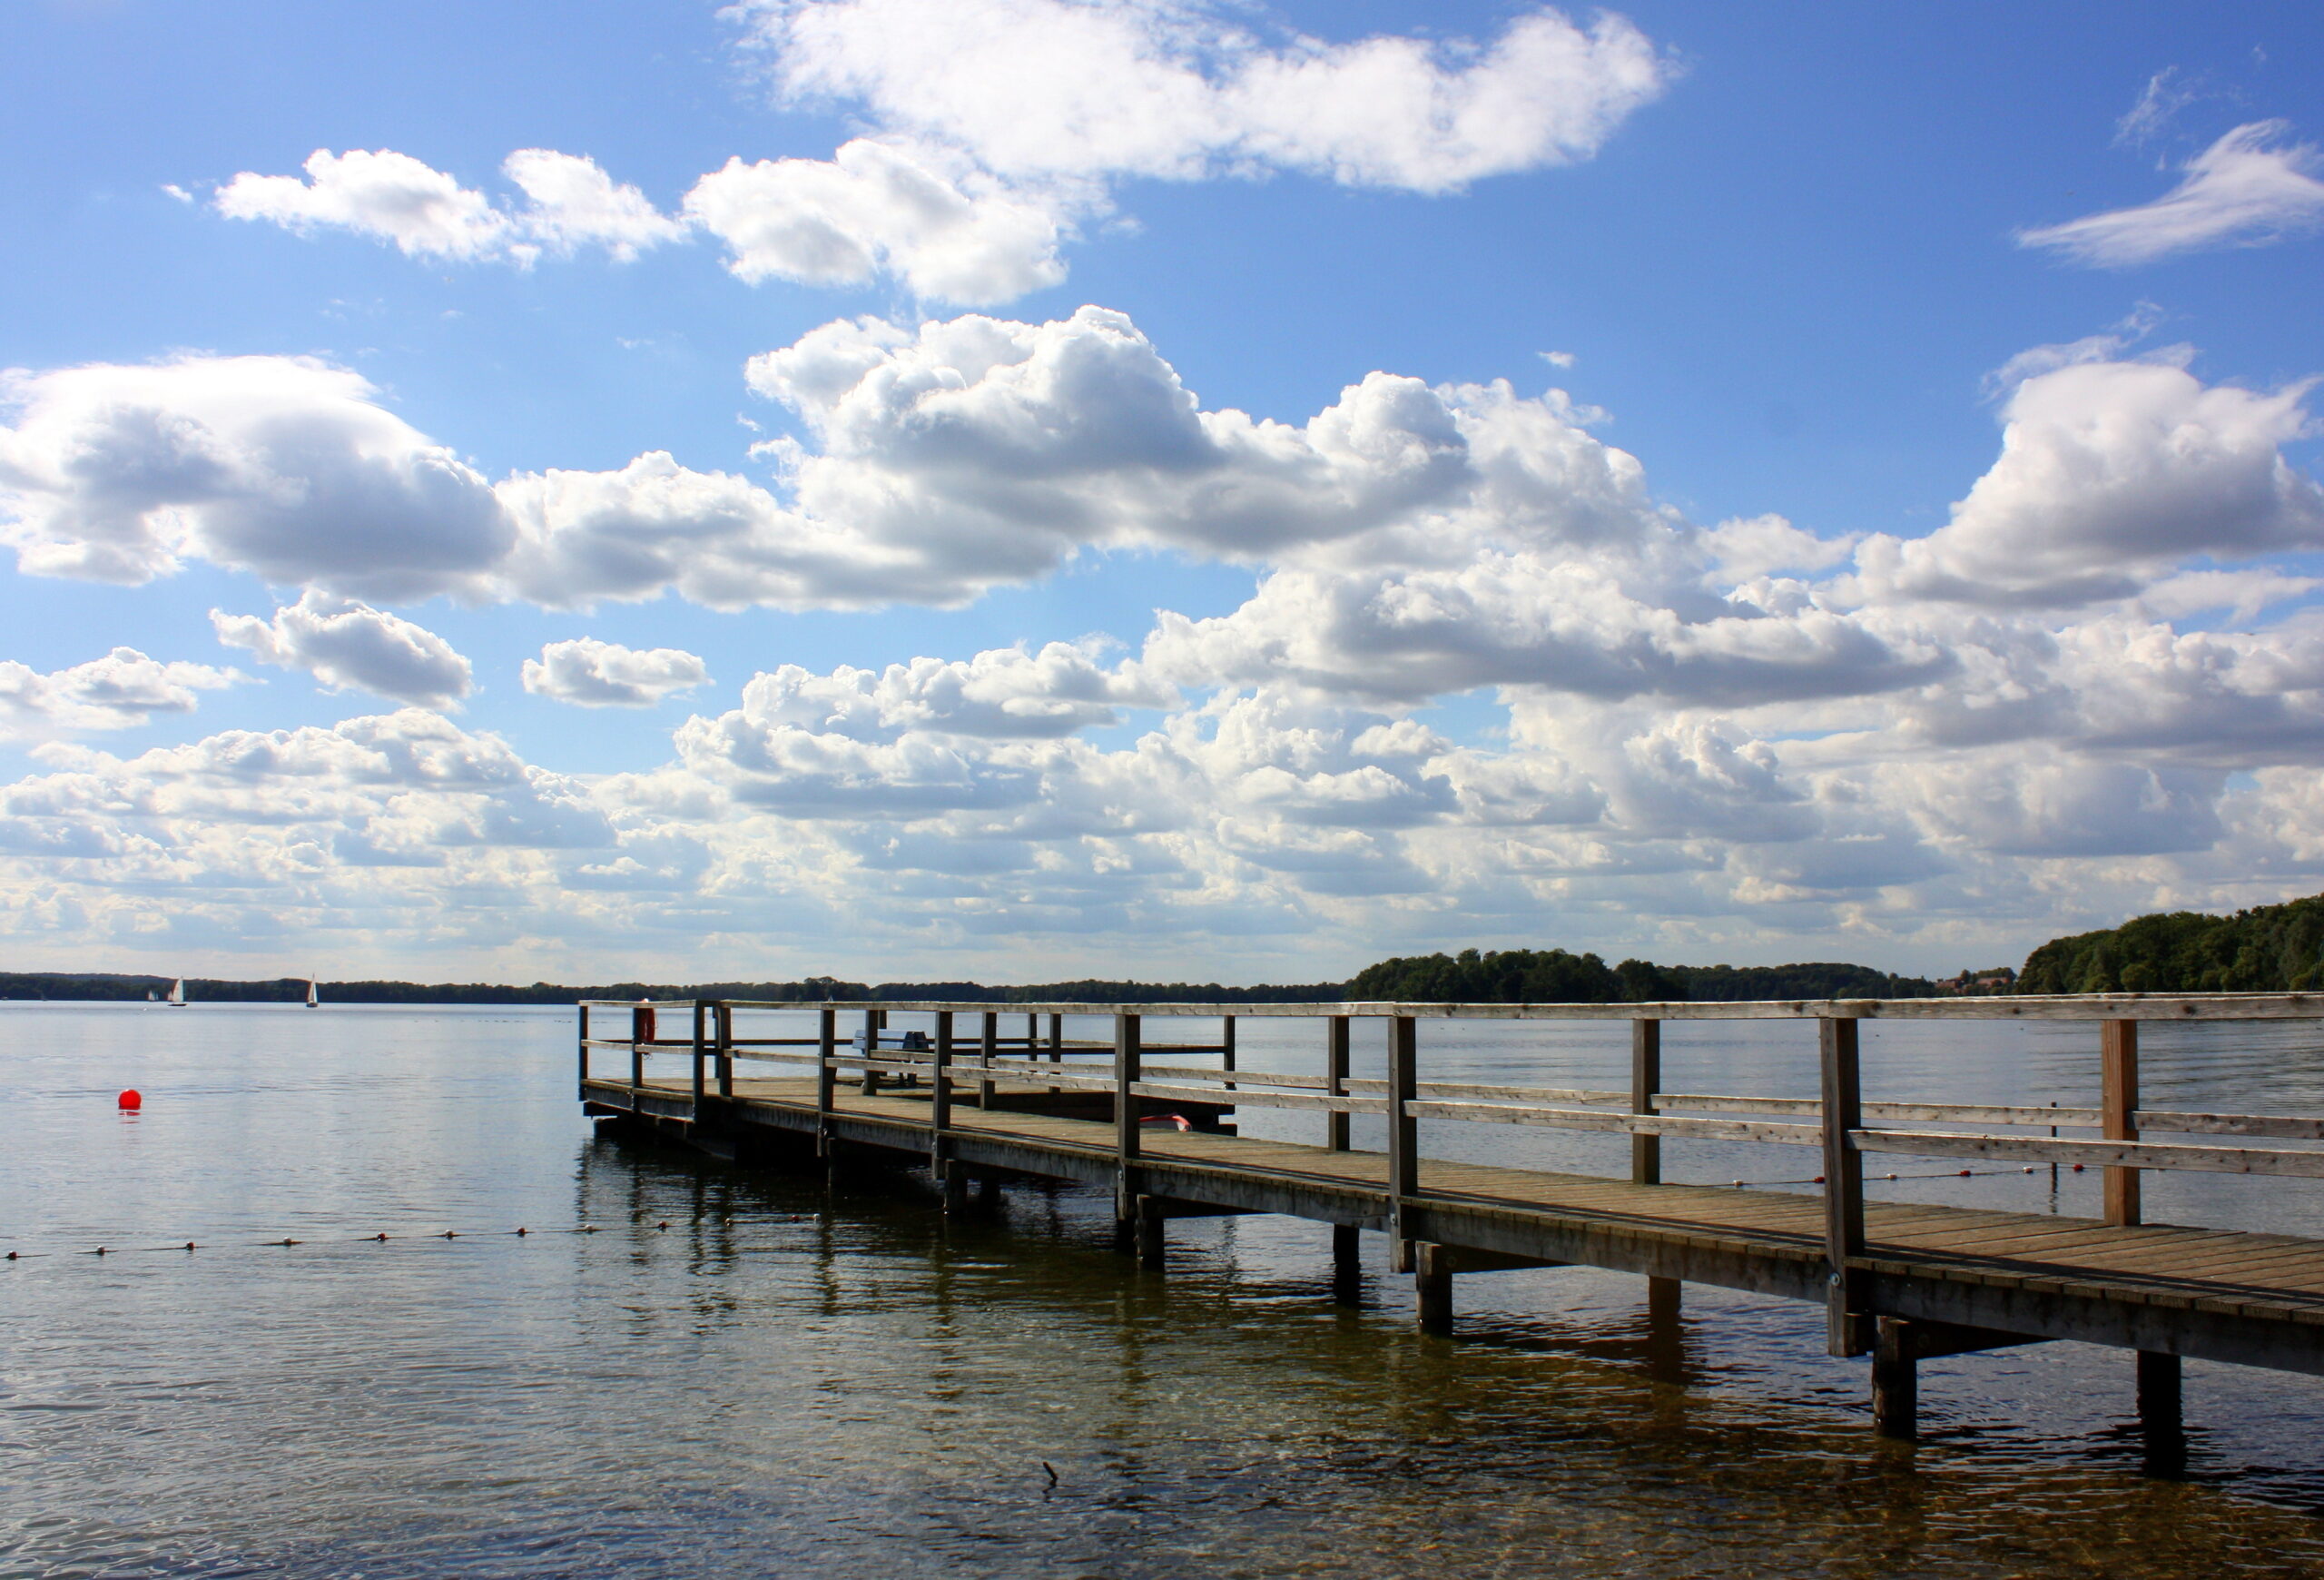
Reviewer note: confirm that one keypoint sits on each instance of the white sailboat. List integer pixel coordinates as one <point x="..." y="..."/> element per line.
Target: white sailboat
<point x="176" y="1000"/>
<point x="311" y="992"/>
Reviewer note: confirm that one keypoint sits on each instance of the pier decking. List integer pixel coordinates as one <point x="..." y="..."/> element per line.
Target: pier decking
<point x="1902" y="1282"/>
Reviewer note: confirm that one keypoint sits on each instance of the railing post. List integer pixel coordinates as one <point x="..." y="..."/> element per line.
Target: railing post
<point x="641" y="1032"/>
<point x="1057" y="1038"/>
<point x="1347" y="1268"/>
<point x="1226" y="1048"/>
<point x="940" y="1109"/>
<point x="1645" y="1080"/>
<point x="1403" y="1131"/>
<point x="874" y="1021"/>
<point x="581" y="1091"/>
<point x="2118" y="1102"/>
<point x="826" y="1077"/>
<point x="1646" y="1152"/>
<point x="726" y="1025"/>
<point x="701" y="1054"/>
<point x="990" y="1051"/>
<point x="1848" y="1330"/>
<point x="1336" y="1080"/>
<point x="1125" y="1063"/>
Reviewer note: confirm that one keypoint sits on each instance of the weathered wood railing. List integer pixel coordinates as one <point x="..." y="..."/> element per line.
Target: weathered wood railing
<point x="1839" y="1121"/>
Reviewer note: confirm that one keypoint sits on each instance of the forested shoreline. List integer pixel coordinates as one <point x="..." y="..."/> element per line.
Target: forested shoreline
<point x="1509" y="976"/>
<point x="2262" y="950"/>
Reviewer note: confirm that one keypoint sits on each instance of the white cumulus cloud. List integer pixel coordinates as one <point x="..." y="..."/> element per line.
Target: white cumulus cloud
<point x="873" y="208"/>
<point x="1048" y="89"/>
<point x="2249" y="188"/>
<point x="353" y="647"/>
<point x="282" y="466"/>
<point x="588" y="673"/>
<point x="119" y="691"/>
<point x="392" y="197"/>
<point x="2109" y="472"/>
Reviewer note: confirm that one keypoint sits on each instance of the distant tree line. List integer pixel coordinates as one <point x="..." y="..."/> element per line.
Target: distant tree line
<point x="2265" y="949"/>
<point x="1556" y="976"/>
<point x="115" y="986"/>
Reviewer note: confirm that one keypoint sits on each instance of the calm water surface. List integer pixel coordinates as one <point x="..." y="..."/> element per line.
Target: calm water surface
<point x="785" y="1381"/>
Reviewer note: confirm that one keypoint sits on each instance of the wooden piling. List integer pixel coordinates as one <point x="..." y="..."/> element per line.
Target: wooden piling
<point x="826" y="1077"/>
<point x="1646" y="1151"/>
<point x="1403" y="1131"/>
<point x="939" y="1107"/>
<point x="725" y="1028"/>
<point x="701" y="1052"/>
<point x="1125" y="1063"/>
<point x="1347" y="1264"/>
<point x="1846" y="1329"/>
<point x="1336" y="1080"/>
<point x="1433" y="1287"/>
<point x="990" y="1050"/>
<point x="1896" y="1383"/>
<point x="2118" y="1102"/>
<point x="1151" y="1241"/>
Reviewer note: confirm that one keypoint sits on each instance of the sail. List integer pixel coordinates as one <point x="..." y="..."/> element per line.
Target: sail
<point x="311" y="992"/>
<point x="177" y="991"/>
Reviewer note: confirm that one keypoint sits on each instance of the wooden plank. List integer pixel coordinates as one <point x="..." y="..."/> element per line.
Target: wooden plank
<point x="2303" y="1165"/>
<point x="1575" y="1119"/>
<point x="2282" y="1127"/>
<point x="1244" y="1098"/>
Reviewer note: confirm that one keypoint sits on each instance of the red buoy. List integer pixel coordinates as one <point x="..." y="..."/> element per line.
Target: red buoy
<point x="131" y="1101"/>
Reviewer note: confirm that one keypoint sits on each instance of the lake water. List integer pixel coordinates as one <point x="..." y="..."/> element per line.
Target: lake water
<point x="788" y="1381"/>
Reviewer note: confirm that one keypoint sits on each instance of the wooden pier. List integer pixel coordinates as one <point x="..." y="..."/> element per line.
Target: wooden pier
<point x="978" y="1090"/>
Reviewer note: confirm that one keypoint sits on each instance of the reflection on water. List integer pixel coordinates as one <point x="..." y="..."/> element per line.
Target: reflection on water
<point x="786" y="1381"/>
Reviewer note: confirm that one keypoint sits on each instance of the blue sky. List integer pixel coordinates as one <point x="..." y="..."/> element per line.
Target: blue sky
<point x="1841" y="483"/>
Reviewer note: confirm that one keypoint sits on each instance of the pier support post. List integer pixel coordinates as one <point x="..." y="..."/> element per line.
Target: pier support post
<point x="701" y="1055"/>
<point x="1336" y="1080"/>
<point x="874" y="1021"/>
<point x="1127" y="1044"/>
<point x="1646" y="1151"/>
<point x="1896" y="1383"/>
<point x="1347" y="1265"/>
<point x="2163" y="1422"/>
<point x="940" y="1118"/>
<point x="1403" y="1131"/>
<point x="1432" y="1284"/>
<point x="826" y="1077"/>
<point x="1846" y="1329"/>
<point x="1149" y="1237"/>
<point x="2118" y="1103"/>
<point x="2160" y="1412"/>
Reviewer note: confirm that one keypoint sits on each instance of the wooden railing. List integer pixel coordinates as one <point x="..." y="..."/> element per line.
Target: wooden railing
<point x="1838" y="1122"/>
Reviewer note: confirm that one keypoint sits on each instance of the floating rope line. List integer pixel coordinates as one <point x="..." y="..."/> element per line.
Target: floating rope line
<point x="382" y="1237"/>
